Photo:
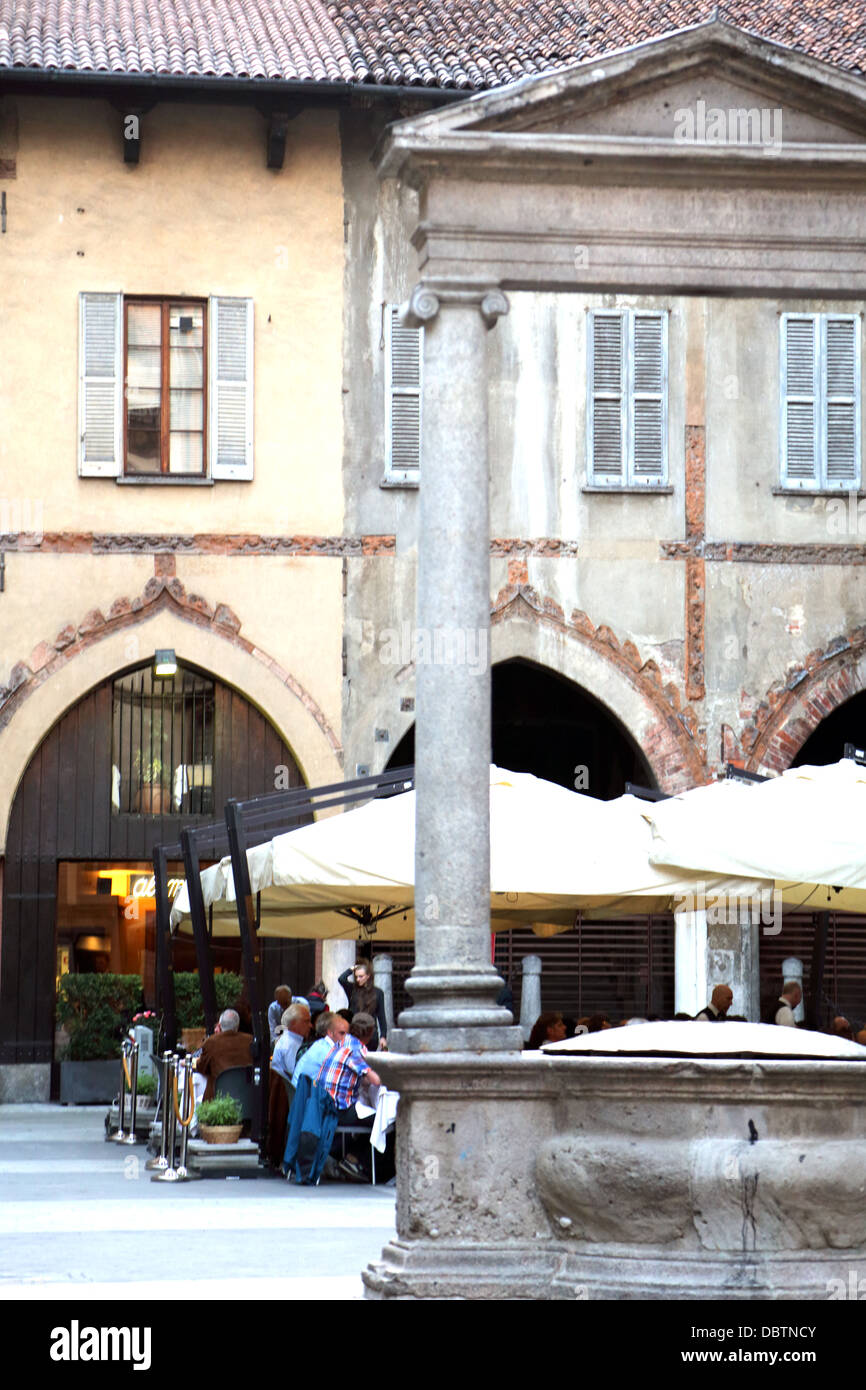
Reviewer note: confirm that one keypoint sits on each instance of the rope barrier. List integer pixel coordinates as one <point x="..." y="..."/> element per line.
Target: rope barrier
<point x="188" y="1095"/>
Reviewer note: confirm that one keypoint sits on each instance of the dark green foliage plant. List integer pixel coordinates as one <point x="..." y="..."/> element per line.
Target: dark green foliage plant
<point x="146" y="1084"/>
<point x="187" y="996"/>
<point x="96" y="1011"/>
<point x="222" y="1110"/>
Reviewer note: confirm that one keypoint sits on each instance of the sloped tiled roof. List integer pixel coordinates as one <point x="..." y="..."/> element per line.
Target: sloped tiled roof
<point x="294" y="40"/>
<point x="476" y="44"/>
<point x="463" y="45"/>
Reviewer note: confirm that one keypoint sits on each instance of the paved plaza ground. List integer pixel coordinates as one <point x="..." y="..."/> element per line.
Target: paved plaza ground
<point x="79" y="1217"/>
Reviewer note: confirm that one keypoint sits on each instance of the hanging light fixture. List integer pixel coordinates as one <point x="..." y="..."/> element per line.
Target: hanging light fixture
<point x="164" y="662"/>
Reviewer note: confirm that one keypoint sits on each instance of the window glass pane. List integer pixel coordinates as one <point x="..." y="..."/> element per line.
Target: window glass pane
<point x="142" y="451"/>
<point x="186" y="367"/>
<point x="143" y="367"/>
<point x="186" y="325"/>
<point x="186" y="452"/>
<point x="144" y="325"/>
<point x="186" y="410"/>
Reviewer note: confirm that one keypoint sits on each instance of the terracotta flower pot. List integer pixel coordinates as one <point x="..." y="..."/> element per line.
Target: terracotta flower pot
<point x="220" y="1134"/>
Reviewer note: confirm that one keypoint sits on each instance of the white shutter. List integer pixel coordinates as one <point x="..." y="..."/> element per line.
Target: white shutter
<point x="648" y="359"/>
<point x="230" y="389"/>
<point x="606" y="423"/>
<point x="800" y="401"/>
<point x="100" y="386"/>
<point x="842" y="393"/>
<point x="404" y="355"/>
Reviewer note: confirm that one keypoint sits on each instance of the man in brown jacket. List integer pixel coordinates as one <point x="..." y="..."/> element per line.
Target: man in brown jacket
<point x="226" y="1048"/>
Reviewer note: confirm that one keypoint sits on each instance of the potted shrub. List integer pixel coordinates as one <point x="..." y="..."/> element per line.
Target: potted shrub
<point x="95" y="1011"/>
<point x="219" y="1120"/>
<point x="153" y="797"/>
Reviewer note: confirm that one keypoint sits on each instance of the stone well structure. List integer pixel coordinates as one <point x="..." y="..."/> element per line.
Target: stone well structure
<point x="623" y="1176"/>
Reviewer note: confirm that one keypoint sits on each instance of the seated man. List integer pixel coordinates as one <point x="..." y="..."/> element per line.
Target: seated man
<point x="226" y="1048"/>
<point x="281" y="1001"/>
<point x="331" y="1030"/>
<point x="296" y="1026"/>
<point x="334" y="1089"/>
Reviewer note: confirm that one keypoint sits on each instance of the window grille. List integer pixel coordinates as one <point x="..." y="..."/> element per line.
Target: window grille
<point x="162" y="744"/>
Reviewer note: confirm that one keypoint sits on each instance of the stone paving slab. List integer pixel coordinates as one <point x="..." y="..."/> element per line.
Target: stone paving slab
<point x="80" y="1218"/>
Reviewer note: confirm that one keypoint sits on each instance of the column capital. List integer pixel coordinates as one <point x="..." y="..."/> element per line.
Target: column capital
<point x="426" y="300"/>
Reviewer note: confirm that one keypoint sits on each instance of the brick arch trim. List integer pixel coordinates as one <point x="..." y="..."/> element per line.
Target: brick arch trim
<point x="670" y="737"/>
<point x="779" y="725"/>
<point x="49" y="657"/>
<point x="85" y="653"/>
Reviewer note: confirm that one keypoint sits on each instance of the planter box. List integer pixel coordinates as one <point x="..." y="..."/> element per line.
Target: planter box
<point x="89" y="1083"/>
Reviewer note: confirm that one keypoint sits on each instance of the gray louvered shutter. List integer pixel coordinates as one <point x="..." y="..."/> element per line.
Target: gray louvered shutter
<point x="800" y="401"/>
<point x="842" y="388"/>
<point x="606" y="413"/>
<point x="404" y="358"/>
<point x="230" y="389"/>
<point x="100" y="386"/>
<point x="648" y="461"/>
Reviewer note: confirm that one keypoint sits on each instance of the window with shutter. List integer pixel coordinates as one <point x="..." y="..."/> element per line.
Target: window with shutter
<point x="627" y="399"/>
<point x="166" y="388"/>
<point x="820" y="401"/>
<point x="404" y="351"/>
<point x="100" y="386"/>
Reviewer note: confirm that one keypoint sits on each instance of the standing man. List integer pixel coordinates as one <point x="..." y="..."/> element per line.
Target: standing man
<point x="786" y="1004"/>
<point x="715" y="1011"/>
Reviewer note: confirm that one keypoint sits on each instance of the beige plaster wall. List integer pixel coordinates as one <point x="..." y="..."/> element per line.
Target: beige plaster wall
<point x="200" y="215"/>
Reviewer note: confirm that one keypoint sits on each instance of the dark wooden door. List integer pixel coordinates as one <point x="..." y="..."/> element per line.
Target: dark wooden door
<point x="63" y="810"/>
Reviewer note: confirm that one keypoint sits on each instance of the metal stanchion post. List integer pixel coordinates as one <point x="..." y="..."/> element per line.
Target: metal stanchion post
<point x="168" y="1174"/>
<point x="187" y="1112"/>
<point x="119" y="1135"/>
<point x="161" y="1163"/>
<point x="131" y="1137"/>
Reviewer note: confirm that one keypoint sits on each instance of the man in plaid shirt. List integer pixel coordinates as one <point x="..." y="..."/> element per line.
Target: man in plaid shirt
<point x="335" y="1089"/>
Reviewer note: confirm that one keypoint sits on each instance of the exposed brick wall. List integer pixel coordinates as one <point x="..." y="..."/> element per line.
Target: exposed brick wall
<point x="776" y="726"/>
<point x="674" y="745"/>
<point x="696" y="500"/>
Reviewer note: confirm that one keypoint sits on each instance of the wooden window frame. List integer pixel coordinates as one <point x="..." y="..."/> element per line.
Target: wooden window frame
<point x="165" y="384"/>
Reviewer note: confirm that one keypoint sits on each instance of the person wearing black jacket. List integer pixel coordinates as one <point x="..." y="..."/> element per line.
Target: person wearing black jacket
<point x="365" y="998"/>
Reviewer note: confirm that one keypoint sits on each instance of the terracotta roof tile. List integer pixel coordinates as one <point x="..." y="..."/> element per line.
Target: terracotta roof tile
<point x="294" y="40"/>
<point x="485" y="43"/>
<point x="464" y="45"/>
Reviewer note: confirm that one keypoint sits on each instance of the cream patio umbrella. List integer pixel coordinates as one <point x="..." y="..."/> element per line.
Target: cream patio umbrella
<point x="804" y="832"/>
<point x="554" y="852"/>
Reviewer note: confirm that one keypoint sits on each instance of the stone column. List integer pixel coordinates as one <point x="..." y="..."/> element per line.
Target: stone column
<point x="690" y="961"/>
<point x="337" y="956"/>
<point x="453" y="984"/>
<point x="732" y="959"/>
<point x="530" y="994"/>
<point x="383" y="977"/>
